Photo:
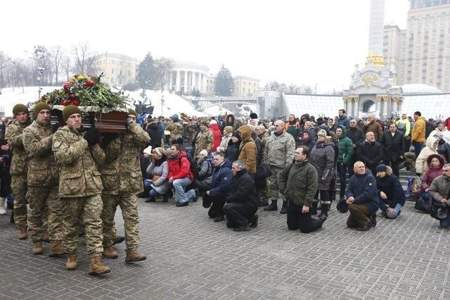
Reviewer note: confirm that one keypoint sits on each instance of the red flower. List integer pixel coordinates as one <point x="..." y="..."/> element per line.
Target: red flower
<point x="67" y="86"/>
<point x="65" y="102"/>
<point x="75" y="101"/>
<point x="88" y="83"/>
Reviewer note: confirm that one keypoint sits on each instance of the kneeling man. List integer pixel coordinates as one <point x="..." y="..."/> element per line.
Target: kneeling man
<point x="242" y="203"/>
<point x="362" y="198"/>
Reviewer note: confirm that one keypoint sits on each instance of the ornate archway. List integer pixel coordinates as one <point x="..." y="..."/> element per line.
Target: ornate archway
<point x="369" y="106"/>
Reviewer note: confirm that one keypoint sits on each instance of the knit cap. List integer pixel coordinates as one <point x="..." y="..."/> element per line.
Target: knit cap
<point x="70" y="110"/>
<point x="19" y="108"/>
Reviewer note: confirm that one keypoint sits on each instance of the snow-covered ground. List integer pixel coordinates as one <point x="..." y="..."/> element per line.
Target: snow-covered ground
<point x="173" y="104"/>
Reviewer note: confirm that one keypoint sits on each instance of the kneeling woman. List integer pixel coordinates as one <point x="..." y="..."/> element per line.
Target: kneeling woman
<point x="157" y="173"/>
<point x="392" y="196"/>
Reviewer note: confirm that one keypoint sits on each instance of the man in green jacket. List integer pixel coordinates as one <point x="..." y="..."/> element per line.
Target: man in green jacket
<point x="345" y="152"/>
<point x="299" y="183"/>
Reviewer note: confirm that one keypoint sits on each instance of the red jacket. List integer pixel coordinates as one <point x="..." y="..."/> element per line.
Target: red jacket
<point x="179" y="167"/>
<point x="217" y="136"/>
<point x="447" y="123"/>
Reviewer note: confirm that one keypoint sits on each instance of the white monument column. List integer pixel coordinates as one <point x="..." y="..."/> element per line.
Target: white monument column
<point x="185" y="81"/>
<point x="177" y="79"/>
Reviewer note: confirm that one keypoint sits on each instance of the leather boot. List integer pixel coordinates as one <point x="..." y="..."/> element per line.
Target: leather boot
<point x="324" y="211"/>
<point x="134" y="256"/>
<point x="22" y="233"/>
<point x="283" y="209"/>
<point x="272" y="207"/>
<point x="37" y="248"/>
<point x="97" y="267"/>
<point x="110" y="252"/>
<point x="71" y="263"/>
<point x="56" y="248"/>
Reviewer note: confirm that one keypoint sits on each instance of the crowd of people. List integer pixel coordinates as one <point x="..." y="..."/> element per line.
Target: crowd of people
<point x="67" y="182"/>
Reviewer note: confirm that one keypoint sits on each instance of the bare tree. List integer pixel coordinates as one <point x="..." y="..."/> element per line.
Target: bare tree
<point x="4" y="61"/>
<point x="57" y="57"/>
<point x="67" y="66"/>
<point x="84" y="59"/>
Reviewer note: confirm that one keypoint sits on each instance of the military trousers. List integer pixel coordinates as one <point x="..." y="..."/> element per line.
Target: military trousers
<point x="19" y="191"/>
<point x="274" y="179"/>
<point x="84" y="211"/>
<point x="44" y="201"/>
<point x="129" y="207"/>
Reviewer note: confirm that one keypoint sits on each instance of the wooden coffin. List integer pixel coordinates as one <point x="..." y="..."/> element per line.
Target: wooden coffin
<point x="112" y="122"/>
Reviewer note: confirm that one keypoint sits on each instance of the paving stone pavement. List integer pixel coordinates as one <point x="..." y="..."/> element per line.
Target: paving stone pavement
<point x="191" y="257"/>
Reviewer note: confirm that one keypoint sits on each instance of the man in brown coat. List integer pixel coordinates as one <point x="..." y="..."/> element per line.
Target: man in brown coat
<point x="373" y="126"/>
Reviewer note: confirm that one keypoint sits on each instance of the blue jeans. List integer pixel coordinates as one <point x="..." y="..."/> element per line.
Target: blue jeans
<point x="417" y="148"/>
<point x="179" y="185"/>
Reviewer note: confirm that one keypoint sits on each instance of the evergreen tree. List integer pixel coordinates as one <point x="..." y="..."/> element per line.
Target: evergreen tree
<point x="224" y="83"/>
<point x="145" y="72"/>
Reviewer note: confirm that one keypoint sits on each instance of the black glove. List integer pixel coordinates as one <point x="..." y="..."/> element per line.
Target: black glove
<point x="92" y="136"/>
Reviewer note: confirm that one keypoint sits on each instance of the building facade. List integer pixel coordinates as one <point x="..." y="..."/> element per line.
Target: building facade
<point x="424" y="55"/>
<point x="245" y="86"/>
<point x="187" y="78"/>
<point x="118" y="69"/>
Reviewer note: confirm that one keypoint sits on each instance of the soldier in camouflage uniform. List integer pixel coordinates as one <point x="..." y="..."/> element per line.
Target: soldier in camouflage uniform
<point x="122" y="180"/>
<point x="176" y="130"/>
<point x="80" y="186"/>
<point x="203" y="139"/>
<point x="18" y="168"/>
<point x="278" y="154"/>
<point x="42" y="182"/>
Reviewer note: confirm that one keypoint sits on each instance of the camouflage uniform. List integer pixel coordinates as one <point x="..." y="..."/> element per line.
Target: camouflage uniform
<point x="176" y="131"/>
<point x="42" y="182"/>
<point x="122" y="180"/>
<point x="278" y="154"/>
<point x="80" y="186"/>
<point x="203" y="141"/>
<point x="18" y="172"/>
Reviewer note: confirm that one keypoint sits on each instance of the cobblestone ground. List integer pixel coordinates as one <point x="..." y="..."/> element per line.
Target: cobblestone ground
<point x="191" y="257"/>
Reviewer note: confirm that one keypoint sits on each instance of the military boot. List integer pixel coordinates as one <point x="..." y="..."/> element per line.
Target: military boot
<point x="283" y="209"/>
<point x="110" y="252"/>
<point x="22" y="233"/>
<point x="272" y="207"/>
<point x="71" y="263"/>
<point x="134" y="256"/>
<point x="45" y="237"/>
<point x="37" y="248"/>
<point x="97" y="267"/>
<point x="56" y="248"/>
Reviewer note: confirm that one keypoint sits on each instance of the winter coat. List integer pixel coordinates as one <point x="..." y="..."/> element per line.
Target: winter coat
<point x="443" y="149"/>
<point x="293" y="130"/>
<point x="376" y="128"/>
<point x="364" y="189"/>
<point x="205" y="168"/>
<point x="14" y="134"/>
<point x="431" y="173"/>
<point x="242" y="189"/>
<point x="221" y="179"/>
<point x="404" y="126"/>
<point x="299" y="183"/>
<point x="419" y="130"/>
<point x="343" y="121"/>
<point x="121" y="168"/>
<point x="392" y="146"/>
<point x="154" y="132"/>
<point x="430" y="148"/>
<point x="371" y="154"/>
<point x="247" y="149"/>
<point x="322" y="158"/>
<point x="392" y="187"/>
<point x="216" y="136"/>
<point x="161" y="185"/>
<point x="279" y="150"/>
<point x="37" y="141"/>
<point x="180" y="167"/>
<point x="356" y="135"/>
<point x="440" y="188"/>
<point x="345" y="150"/>
<point x="78" y="173"/>
<point x="202" y="141"/>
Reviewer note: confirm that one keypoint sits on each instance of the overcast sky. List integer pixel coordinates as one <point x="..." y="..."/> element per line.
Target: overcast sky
<point x="293" y="41"/>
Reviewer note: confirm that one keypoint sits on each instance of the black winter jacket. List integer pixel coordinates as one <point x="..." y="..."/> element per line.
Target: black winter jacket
<point x="370" y="153"/>
<point x="392" y="187"/>
<point x="242" y="189"/>
<point x="393" y="146"/>
<point x="364" y="189"/>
